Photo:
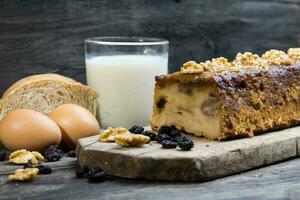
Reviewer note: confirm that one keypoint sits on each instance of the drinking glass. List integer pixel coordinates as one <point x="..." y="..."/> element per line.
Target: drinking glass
<point x="122" y="71"/>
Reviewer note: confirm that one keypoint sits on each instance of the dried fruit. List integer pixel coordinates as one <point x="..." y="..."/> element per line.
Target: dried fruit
<point x="180" y="138"/>
<point x="164" y="130"/>
<point x="174" y="132"/>
<point x="150" y="134"/>
<point x="82" y="171"/>
<point x="186" y="144"/>
<point x="132" y="140"/>
<point x="167" y="144"/>
<point x="109" y="134"/>
<point x="2" y="155"/>
<point x="27" y="165"/>
<point x="24" y="174"/>
<point x="53" y="153"/>
<point x="71" y="154"/>
<point x="162" y="137"/>
<point x="23" y="156"/>
<point x="96" y="175"/>
<point x="136" y="129"/>
<point x="44" y="169"/>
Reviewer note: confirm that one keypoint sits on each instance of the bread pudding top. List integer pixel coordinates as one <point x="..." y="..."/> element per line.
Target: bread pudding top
<point x="243" y="61"/>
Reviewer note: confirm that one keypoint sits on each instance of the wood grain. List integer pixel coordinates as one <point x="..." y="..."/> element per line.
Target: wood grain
<point x="39" y="36"/>
<point x="275" y="182"/>
<point x="207" y="160"/>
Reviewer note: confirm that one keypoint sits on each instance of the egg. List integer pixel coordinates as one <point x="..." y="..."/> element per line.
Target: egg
<point x="75" y="122"/>
<point x="28" y="129"/>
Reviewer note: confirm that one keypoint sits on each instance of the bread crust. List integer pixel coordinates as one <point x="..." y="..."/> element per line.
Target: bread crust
<point x="37" y="78"/>
<point x="44" y="80"/>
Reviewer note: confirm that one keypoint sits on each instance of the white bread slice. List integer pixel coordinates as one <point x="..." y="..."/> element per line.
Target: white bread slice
<point x="44" y="92"/>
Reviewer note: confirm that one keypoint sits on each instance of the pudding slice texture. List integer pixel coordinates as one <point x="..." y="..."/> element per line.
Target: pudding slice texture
<point x="188" y="107"/>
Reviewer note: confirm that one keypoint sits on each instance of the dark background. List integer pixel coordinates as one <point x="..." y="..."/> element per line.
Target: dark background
<point x="38" y="36"/>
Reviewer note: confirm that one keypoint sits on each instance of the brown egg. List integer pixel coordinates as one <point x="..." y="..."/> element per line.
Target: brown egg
<point x="28" y="129"/>
<point x="75" y="122"/>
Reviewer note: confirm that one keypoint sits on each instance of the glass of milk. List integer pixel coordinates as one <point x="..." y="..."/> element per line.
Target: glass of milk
<point x="122" y="71"/>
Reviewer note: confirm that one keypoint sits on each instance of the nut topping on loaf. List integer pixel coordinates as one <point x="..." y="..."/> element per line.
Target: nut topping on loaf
<point x="219" y="99"/>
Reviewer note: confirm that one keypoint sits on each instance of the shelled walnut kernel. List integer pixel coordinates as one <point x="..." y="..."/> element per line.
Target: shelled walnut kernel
<point x="243" y="61"/>
<point x="24" y="174"/>
<point x="133" y="140"/>
<point x="277" y="57"/>
<point x="23" y="156"/>
<point x="249" y="60"/>
<point x="191" y="67"/>
<point x="294" y="53"/>
<point x="109" y="134"/>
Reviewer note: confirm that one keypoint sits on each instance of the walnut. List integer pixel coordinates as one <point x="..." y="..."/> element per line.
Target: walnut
<point x="249" y="60"/>
<point x="133" y="140"/>
<point x="206" y="65"/>
<point x="276" y="57"/>
<point x="221" y="61"/>
<point x="24" y="174"/>
<point x="294" y="54"/>
<point x="109" y="134"/>
<point x="245" y="60"/>
<point x="191" y="67"/>
<point x="23" y="156"/>
<point x="215" y="65"/>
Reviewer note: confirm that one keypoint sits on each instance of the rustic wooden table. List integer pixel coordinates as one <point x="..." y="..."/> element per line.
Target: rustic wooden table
<point x="279" y="181"/>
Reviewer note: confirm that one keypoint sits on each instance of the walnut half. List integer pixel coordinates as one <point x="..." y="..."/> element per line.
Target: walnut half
<point x="109" y="134"/>
<point x="23" y="156"/>
<point x="131" y="140"/>
<point x="24" y="174"/>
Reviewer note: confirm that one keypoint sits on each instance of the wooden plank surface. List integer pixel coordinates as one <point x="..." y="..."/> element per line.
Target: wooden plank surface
<point x="39" y="36"/>
<point x="207" y="160"/>
<point x="276" y="182"/>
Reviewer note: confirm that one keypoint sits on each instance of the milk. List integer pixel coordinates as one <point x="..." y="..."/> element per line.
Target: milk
<point x="125" y="85"/>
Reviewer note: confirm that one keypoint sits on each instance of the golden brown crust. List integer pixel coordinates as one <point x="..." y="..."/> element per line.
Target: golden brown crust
<point x="37" y="78"/>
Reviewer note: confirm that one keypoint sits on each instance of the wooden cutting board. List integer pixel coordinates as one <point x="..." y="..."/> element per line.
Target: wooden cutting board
<point x="207" y="160"/>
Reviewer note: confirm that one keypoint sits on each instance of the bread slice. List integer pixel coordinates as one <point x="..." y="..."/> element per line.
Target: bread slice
<point x="44" y="92"/>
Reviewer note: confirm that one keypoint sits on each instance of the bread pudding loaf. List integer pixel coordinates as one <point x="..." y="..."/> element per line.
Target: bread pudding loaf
<point x="219" y="99"/>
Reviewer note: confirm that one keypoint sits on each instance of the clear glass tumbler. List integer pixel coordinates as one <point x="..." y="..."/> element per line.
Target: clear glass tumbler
<point x="122" y="70"/>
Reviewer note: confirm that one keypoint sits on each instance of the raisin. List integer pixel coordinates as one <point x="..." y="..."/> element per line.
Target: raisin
<point x="82" y="171"/>
<point x="164" y="130"/>
<point x="136" y="129"/>
<point x="53" y="153"/>
<point x="167" y="144"/>
<point x="180" y="138"/>
<point x="27" y="165"/>
<point x="44" y="169"/>
<point x="174" y="132"/>
<point x="186" y="144"/>
<point x="161" y="103"/>
<point x="2" y="155"/>
<point x="96" y="175"/>
<point x="150" y="134"/>
<point x="71" y="154"/>
<point x="162" y="137"/>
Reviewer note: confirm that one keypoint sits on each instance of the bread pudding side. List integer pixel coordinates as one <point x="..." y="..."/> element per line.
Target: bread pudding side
<point x="222" y="100"/>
